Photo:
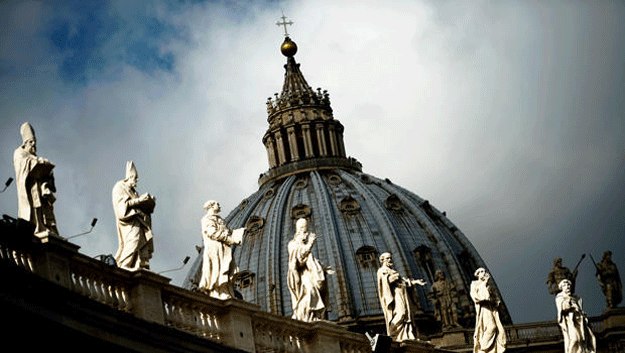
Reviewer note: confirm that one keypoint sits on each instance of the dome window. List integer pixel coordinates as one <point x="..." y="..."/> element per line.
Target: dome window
<point x="269" y="193"/>
<point x="301" y="183"/>
<point x="350" y="206"/>
<point x="424" y="257"/>
<point x="393" y="203"/>
<point x="300" y="211"/>
<point x="255" y="225"/>
<point x="243" y="204"/>
<point x="245" y="279"/>
<point x="367" y="257"/>
<point x="468" y="263"/>
<point x="334" y="179"/>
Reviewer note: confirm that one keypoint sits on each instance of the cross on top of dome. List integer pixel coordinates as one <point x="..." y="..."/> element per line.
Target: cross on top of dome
<point x="284" y="23"/>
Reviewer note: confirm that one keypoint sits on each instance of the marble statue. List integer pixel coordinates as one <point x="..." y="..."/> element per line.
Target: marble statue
<point x="35" y="185"/>
<point x="443" y="295"/>
<point x="393" y="293"/>
<point x="557" y="274"/>
<point x="134" y="222"/>
<point x="609" y="280"/>
<point x="578" y="338"/>
<point x="218" y="265"/>
<point x="489" y="336"/>
<point x="306" y="277"/>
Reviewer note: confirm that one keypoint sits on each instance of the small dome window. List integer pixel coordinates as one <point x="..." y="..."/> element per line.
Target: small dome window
<point x="300" y="211"/>
<point x="350" y="206"/>
<point x="244" y="279"/>
<point x="243" y="204"/>
<point x="269" y="193"/>
<point x="367" y="257"/>
<point x="334" y="179"/>
<point x="301" y="183"/>
<point x="255" y="224"/>
<point x="393" y="203"/>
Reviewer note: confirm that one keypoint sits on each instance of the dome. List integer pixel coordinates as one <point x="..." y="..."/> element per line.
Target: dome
<point x="356" y="217"/>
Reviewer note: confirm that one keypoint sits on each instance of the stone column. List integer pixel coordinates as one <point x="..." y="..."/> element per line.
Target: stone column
<point x="292" y="143"/>
<point x="321" y="140"/>
<point x="341" y="143"/>
<point x="308" y="148"/>
<point x="280" y="145"/>
<point x="271" y="153"/>
<point x="333" y="146"/>
<point x="237" y="323"/>
<point x="53" y="262"/>
<point x="145" y="295"/>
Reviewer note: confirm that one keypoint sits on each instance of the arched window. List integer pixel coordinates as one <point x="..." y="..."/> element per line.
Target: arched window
<point x="424" y="258"/>
<point x="367" y="257"/>
<point x="254" y="227"/>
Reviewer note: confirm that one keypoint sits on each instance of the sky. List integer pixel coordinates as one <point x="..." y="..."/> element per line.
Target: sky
<point x="508" y="115"/>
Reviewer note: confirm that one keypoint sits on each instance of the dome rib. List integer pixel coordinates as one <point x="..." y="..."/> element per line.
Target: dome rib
<point x="274" y="264"/>
<point x="329" y="225"/>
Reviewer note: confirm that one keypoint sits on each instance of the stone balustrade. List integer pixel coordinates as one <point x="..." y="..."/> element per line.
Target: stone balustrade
<point x="149" y="296"/>
<point x="232" y="323"/>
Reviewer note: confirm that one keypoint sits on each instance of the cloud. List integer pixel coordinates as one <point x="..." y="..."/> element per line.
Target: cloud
<point x="508" y="116"/>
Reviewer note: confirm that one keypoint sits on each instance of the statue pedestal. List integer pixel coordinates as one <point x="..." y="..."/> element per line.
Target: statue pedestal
<point x="614" y="318"/>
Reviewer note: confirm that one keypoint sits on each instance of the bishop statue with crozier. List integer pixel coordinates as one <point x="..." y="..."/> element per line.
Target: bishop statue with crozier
<point x="35" y="185"/>
<point x="134" y="222"/>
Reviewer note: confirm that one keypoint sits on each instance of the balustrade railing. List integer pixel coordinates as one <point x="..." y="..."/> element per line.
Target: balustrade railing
<point x="16" y="257"/>
<point x="194" y="315"/>
<point x="275" y="334"/>
<point x="102" y="284"/>
<point x="232" y="323"/>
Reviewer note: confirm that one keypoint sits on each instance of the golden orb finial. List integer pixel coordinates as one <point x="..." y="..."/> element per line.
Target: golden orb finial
<point x="288" y="47"/>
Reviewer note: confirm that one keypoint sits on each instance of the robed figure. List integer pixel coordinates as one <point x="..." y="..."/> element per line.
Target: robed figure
<point x="489" y="335"/>
<point x="306" y="276"/>
<point x="578" y="338"/>
<point x="134" y="222"/>
<point x="395" y="300"/>
<point x="609" y="281"/>
<point x="443" y="295"/>
<point x="218" y="265"/>
<point x="35" y="185"/>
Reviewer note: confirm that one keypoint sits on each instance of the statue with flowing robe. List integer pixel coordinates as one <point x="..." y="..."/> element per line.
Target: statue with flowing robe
<point x="35" y="185"/>
<point x="306" y="276"/>
<point x="489" y="335"/>
<point x="218" y="265"/>
<point x="578" y="338"/>
<point x="394" y="299"/>
<point x="134" y="222"/>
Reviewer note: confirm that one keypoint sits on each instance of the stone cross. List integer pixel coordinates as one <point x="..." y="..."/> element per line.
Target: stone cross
<point x="284" y="23"/>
